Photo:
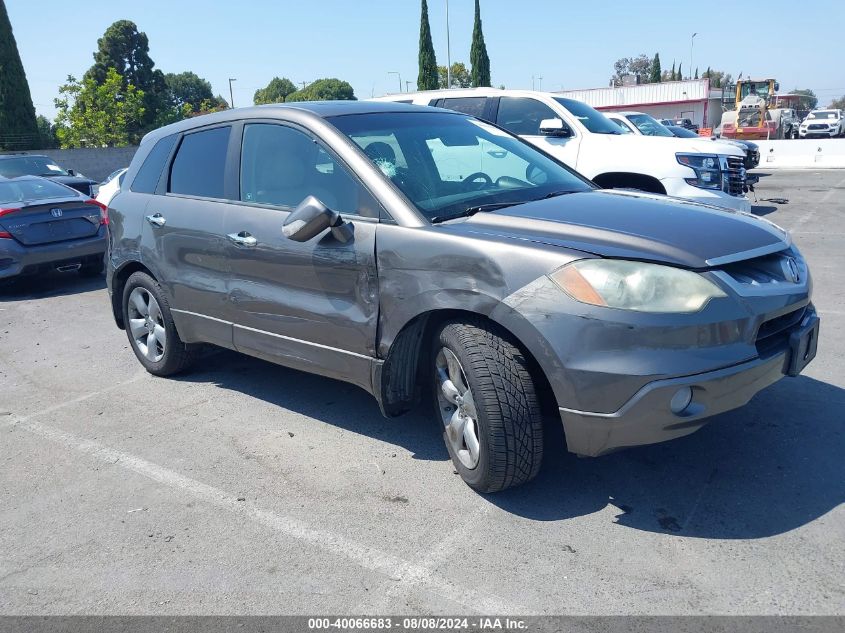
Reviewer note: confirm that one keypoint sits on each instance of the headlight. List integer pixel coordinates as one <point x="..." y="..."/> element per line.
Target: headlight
<point x="636" y="286"/>
<point x="708" y="174"/>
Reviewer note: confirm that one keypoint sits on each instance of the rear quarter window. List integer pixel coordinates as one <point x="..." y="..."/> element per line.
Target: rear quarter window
<point x="148" y="175"/>
<point x="200" y="164"/>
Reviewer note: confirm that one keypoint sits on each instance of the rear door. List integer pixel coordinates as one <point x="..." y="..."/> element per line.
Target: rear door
<point x="183" y="234"/>
<point x="311" y="305"/>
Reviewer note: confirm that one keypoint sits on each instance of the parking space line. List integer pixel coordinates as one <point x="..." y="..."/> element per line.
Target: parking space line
<point x="394" y="567"/>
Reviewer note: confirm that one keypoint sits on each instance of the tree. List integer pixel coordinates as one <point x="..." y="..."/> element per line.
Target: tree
<point x="324" y="90"/>
<point x="680" y="73"/>
<point x="427" y="74"/>
<point x="672" y="75"/>
<point x="838" y="104"/>
<point x="98" y="115"/>
<point x="808" y="100"/>
<point x="188" y="88"/>
<point x="639" y="67"/>
<point x="275" y="92"/>
<point x="46" y="133"/>
<point x="17" y="114"/>
<point x="696" y="72"/>
<point x="718" y="78"/>
<point x="461" y="77"/>
<point x="127" y="50"/>
<point x="480" y="75"/>
<point x="656" y="72"/>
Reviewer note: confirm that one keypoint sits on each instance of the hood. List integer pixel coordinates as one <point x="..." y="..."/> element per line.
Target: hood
<point x="673" y="144"/>
<point x="637" y="226"/>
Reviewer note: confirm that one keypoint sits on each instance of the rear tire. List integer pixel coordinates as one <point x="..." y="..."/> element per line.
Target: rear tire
<point x="495" y="409"/>
<point x="150" y="328"/>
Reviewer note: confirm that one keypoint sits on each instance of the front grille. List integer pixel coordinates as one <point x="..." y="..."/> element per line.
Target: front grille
<point x="753" y="159"/>
<point x="767" y="270"/>
<point x="773" y="334"/>
<point x="733" y="178"/>
<point x="817" y="126"/>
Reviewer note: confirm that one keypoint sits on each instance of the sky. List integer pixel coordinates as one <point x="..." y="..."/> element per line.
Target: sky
<point x="567" y="44"/>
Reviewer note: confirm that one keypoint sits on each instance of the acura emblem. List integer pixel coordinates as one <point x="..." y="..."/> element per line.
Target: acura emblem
<point x="790" y="270"/>
<point x="56" y="213"/>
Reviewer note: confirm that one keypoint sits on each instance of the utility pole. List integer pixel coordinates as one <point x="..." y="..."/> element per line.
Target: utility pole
<point x="396" y="72"/>
<point x="540" y="83"/>
<point x="407" y="84"/>
<point x="691" y="42"/>
<point x="448" y="51"/>
<point x="231" y="94"/>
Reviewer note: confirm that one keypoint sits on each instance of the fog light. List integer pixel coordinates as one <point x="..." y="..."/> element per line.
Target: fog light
<point x="680" y="400"/>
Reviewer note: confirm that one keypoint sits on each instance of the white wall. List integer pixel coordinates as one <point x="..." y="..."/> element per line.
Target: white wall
<point x="809" y="153"/>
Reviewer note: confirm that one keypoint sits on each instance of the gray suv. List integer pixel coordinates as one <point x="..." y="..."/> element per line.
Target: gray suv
<point x="425" y="255"/>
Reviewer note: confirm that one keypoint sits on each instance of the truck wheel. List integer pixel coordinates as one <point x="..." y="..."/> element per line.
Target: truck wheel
<point x="487" y="403"/>
<point x="150" y="328"/>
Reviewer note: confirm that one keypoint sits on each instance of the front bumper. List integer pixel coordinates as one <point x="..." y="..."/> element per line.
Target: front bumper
<point x="647" y="417"/>
<point x="829" y="133"/>
<point x="678" y="188"/>
<point x="17" y="259"/>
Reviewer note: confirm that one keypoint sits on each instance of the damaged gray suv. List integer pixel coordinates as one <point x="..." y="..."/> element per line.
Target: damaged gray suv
<point x="429" y="257"/>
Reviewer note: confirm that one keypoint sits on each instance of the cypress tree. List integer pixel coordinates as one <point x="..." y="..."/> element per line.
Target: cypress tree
<point x="18" y="128"/>
<point x="680" y="74"/>
<point x="672" y="74"/>
<point x="656" y="70"/>
<point x="696" y="72"/>
<point x="480" y="75"/>
<point x="427" y="77"/>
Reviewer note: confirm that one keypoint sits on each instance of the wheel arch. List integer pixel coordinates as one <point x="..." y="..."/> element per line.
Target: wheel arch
<point x="622" y="179"/>
<point x="118" y="283"/>
<point x="401" y="378"/>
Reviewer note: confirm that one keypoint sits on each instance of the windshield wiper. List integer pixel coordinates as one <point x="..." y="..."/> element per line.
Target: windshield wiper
<point x="555" y="194"/>
<point x="469" y="211"/>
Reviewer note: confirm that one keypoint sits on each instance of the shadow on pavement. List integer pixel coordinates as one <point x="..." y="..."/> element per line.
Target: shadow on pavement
<point x="52" y="284"/>
<point x="765" y="469"/>
<point x="760" y="210"/>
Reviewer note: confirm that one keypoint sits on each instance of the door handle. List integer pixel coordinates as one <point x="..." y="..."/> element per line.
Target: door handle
<point x="242" y="239"/>
<point x="156" y="220"/>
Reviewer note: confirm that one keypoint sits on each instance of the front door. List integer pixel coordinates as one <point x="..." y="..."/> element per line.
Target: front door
<point x="311" y="305"/>
<point x="522" y="116"/>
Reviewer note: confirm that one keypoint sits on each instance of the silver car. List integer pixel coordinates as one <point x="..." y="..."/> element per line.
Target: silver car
<point x="429" y="257"/>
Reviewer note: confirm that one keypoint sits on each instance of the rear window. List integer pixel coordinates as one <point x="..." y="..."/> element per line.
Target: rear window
<point x="30" y="166"/>
<point x="147" y="177"/>
<point x="200" y="164"/>
<point x="23" y="191"/>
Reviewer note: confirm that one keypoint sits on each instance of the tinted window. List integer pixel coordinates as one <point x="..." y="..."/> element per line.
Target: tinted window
<point x="473" y="106"/>
<point x="147" y="177"/>
<point x="283" y="166"/>
<point x="589" y="117"/>
<point x="200" y="164"/>
<point x="522" y="116"/>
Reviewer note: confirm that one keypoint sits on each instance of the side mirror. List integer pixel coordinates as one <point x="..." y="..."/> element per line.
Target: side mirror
<point x="310" y="218"/>
<point x="70" y="172"/>
<point x="555" y="127"/>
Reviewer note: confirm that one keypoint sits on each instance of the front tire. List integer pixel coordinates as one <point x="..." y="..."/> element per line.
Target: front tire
<point x="488" y="405"/>
<point x="150" y="328"/>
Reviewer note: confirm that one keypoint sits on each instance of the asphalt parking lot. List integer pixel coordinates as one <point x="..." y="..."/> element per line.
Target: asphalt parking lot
<point x="244" y="487"/>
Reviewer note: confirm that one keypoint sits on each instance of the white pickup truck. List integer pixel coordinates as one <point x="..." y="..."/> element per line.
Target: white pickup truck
<point x="590" y="143"/>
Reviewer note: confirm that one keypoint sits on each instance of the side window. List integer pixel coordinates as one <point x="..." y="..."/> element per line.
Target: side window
<point x="283" y="166"/>
<point x="474" y="106"/>
<point x="147" y="177"/>
<point x="200" y="164"/>
<point x="522" y="116"/>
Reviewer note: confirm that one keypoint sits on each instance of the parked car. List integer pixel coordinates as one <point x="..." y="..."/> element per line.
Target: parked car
<point x="14" y="165"/>
<point x="822" y="124"/>
<point x="751" y="149"/>
<point x="110" y="186"/>
<point x="421" y="253"/>
<point x="686" y="123"/>
<point x="45" y="225"/>
<point x="589" y="142"/>
<point x="789" y="122"/>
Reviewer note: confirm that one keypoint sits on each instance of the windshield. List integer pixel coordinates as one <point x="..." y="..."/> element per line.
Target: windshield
<point x="648" y="125"/>
<point x="758" y="88"/>
<point x="589" y="117"/>
<point x="822" y="115"/>
<point x="749" y="117"/>
<point x="30" y="166"/>
<point x="682" y="132"/>
<point x="447" y="164"/>
<point x="17" y="192"/>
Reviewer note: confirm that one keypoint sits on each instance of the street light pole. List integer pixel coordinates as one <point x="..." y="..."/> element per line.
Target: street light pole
<point x="691" y="42"/>
<point x="448" y="51"/>
<point x="396" y="72"/>
<point x="231" y="94"/>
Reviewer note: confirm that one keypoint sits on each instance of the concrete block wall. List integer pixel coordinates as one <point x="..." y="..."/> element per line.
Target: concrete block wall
<point x="94" y="162"/>
<point x="808" y="153"/>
